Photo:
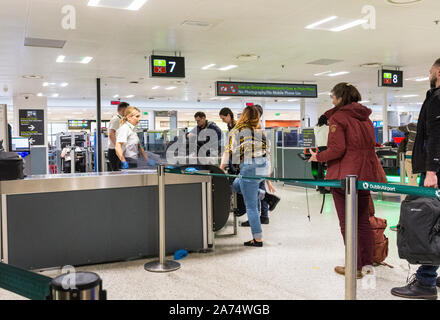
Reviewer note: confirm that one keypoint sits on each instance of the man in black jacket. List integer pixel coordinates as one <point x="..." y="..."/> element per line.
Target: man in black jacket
<point x="426" y="160"/>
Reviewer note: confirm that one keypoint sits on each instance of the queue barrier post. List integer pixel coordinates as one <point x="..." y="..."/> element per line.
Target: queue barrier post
<point x="351" y="236"/>
<point x="161" y="265"/>
<point x="77" y="286"/>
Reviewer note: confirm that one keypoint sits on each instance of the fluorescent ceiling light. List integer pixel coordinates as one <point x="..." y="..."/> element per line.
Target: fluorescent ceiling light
<point x="116" y="96"/>
<point x="155" y="87"/>
<point x="322" y="73"/>
<point x="335" y="74"/>
<point x="208" y="66"/>
<point x="86" y="60"/>
<point x="39" y="94"/>
<point x="55" y="95"/>
<point x="130" y="96"/>
<point x="64" y="84"/>
<point x="408" y="96"/>
<point x="349" y="25"/>
<point x="60" y="59"/>
<point x="364" y="101"/>
<point x="315" y="24"/>
<point x="170" y="88"/>
<point x="136" y="5"/>
<point x="232" y="66"/>
<point x="293" y="100"/>
<point x="133" y="5"/>
<point x="225" y="98"/>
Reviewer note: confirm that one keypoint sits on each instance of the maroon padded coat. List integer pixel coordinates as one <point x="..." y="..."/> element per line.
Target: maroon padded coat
<point x="351" y="144"/>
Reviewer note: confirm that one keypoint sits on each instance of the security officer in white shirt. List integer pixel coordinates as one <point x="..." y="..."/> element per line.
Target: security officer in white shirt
<point x="128" y="147"/>
<point x="115" y="163"/>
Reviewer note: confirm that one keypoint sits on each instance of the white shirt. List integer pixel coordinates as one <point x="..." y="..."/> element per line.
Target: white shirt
<point x="127" y="135"/>
<point x="67" y="151"/>
<point x="321" y="136"/>
<point x="114" y="124"/>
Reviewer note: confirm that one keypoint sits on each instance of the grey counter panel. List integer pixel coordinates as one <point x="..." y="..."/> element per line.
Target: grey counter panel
<point x="96" y="226"/>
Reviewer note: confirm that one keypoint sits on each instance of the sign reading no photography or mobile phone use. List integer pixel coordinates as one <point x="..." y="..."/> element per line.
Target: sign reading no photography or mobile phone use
<point x="270" y="90"/>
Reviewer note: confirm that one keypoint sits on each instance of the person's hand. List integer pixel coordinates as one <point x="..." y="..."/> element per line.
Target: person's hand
<point x="431" y="180"/>
<point x="313" y="158"/>
<point x="222" y="167"/>
<point x="124" y="165"/>
<point x="270" y="187"/>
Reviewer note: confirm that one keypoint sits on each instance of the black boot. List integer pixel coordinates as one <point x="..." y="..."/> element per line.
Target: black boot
<point x="438" y="282"/>
<point x="414" y="290"/>
<point x="271" y="200"/>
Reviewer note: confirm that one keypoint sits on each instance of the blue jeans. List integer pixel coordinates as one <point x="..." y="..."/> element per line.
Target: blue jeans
<point x="264" y="206"/>
<point x="427" y="275"/>
<point x="249" y="188"/>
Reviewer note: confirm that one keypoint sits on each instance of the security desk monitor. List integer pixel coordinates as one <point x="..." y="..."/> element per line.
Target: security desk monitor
<point x="21" y="146"/>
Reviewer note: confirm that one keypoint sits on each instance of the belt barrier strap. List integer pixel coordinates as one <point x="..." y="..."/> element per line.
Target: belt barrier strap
<point x="25" y="283"/>
<point x="398" y="188"/>
<point x="300" y="182"/>
<point x="362" y="185"/>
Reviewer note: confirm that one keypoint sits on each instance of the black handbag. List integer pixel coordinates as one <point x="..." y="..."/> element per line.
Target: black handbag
<point x="11" y="166"/>
<point x="418" y="231"/>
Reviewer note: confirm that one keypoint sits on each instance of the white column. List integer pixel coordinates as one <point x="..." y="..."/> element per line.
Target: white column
<point x="385" y="116"/>
<point x="303" y="113"/>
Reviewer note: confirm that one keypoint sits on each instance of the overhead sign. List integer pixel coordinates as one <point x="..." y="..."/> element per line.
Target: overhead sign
<point x="79" y="125"/>
<point x="31" y="125"/>
<point x="390" y="78"/>
<point x="169" y="67"/>
<point x="270" y="90"/>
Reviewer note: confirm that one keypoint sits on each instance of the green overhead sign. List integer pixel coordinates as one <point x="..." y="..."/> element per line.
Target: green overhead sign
<point x="274" y="90"/>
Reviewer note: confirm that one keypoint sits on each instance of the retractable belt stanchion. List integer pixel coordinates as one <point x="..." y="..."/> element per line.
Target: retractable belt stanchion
<point x="351" y="236"/>
<point x="162" y="265"/>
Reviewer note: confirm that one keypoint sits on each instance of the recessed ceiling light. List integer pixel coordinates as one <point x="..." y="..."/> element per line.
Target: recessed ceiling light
<point x="133" y="5"/>
<point x="208" y="66"/>
<point x="86" y="60"/>
<point x="155" y="87"/>
<point x="293" y="100"/>
<point x="61" y="59"/>
<point x="232" y="66"/>
<point x="418" y="79"/>
<point x="116" y="96"/>
<point x="130" y="96"/>
<point x="322" y="73"/>
<point x="364" y="101"/>
<point x="315" y="24"/>
<point x="335" y="74"/>
<point x="47" y="84"/>
<point x="170" y="88"/>
<point x="55" y="95"/>
<point x="349" y="25"/>
<point x="225" y="98"/>
<point x="39" y="94"/>
<point x="64" y="84"/>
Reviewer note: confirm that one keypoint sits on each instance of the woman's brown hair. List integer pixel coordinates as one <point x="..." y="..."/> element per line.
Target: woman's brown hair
<point x="250" y="118"/>
<point x="347" y="92"/>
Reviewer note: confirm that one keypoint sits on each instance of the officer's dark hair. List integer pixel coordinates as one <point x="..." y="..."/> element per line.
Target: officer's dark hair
<point x="347" y="92"/>
<point x="437" y="62"/>
<point x="323" y="121"/>
<point x="225" y="112"/>
<point x="200" y="114"/>
<point x="122" y="105"/>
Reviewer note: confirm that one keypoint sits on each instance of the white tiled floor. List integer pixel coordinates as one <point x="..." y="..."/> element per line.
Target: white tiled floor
<point x="296" y="262"/>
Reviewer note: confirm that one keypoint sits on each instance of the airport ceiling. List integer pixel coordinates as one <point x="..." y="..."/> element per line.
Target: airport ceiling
<point x="405" y="36"/>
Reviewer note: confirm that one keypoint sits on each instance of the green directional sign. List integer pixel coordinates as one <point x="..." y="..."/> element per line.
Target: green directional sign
<point x="160" y="63"/>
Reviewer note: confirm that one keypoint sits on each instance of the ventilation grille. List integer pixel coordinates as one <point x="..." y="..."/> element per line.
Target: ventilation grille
<point x="44" y="43"/>
<point x="324" y="62"/>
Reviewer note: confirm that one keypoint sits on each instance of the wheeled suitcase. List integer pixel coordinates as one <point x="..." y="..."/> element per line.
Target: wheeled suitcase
<point x="11" y="166"/>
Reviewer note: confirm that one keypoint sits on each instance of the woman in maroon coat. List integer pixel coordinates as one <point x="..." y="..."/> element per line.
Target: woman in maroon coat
<point x="351" y="151"/>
